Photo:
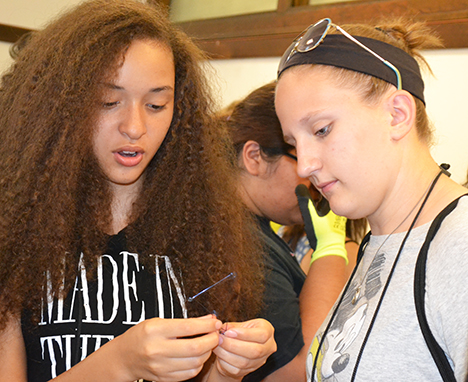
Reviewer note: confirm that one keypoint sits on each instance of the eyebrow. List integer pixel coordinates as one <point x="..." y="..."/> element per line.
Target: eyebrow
<point x="304" y="120"/>
<point x="152" y="90"/>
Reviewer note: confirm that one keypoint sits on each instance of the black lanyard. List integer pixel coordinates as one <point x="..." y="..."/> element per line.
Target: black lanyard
<point x="379" y="304"/>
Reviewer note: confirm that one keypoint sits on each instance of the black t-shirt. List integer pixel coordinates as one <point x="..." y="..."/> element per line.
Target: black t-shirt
<point x="284" y="281"/>
<point x="122" y="294"/>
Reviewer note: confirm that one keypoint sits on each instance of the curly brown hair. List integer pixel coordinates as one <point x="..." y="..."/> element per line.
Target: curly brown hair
<point x="54" y="199"/>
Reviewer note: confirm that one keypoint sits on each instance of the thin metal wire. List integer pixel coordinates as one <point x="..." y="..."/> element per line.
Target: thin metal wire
<point x="229" y="276"/>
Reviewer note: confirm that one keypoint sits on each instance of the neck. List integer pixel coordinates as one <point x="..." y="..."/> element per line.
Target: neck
<point x="122" y="204"/>
<point x="402" y="204"/>
<point x="246" y="191"/>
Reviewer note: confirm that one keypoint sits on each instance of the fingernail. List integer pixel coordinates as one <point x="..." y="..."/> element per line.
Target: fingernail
<point x="230" y="333"/>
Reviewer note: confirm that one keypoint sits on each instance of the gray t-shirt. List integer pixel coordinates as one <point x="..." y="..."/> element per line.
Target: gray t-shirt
<point x="395" y="349"/>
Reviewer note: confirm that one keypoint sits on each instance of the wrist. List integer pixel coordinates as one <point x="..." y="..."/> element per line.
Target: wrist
<point x="124" y="365"/>
<point x="215" y="374"/>
<point x="336" y="249"/>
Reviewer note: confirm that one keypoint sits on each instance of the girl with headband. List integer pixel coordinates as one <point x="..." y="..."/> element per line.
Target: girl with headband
<point x="294" y="303"/>
<point x="351" y="101"/>
<point x="116" y="210"/>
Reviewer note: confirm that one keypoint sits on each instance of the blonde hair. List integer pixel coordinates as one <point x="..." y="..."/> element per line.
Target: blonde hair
<point x="412" y="37"/>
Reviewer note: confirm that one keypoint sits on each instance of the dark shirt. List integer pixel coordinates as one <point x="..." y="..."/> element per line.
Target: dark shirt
<point x="284" y="281"/>
<point x="122" y="294"/>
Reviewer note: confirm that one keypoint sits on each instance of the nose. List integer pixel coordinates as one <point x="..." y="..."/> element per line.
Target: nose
<point x="133" y="125"/>
<point x="307" y="162"/>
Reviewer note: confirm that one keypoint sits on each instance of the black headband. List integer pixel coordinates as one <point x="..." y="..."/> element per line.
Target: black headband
<point x="338" y="50"/>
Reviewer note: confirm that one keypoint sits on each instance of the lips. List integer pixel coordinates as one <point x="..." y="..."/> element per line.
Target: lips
<point x="129" y="156"/>
<point x="326" y="186"/>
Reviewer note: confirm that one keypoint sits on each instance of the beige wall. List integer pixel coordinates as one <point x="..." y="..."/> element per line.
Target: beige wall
<point x="31" y="13"/>
<point x="446" y="93"/>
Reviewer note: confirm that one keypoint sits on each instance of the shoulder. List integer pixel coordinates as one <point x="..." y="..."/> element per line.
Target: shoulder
<point x="280" y="259"/>
<point x="447" y="261"/>
<point x="454" y="227"/>
<point x="446" y="292"/>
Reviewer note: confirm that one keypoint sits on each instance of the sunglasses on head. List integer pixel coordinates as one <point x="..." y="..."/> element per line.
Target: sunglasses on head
<point x="313" y="36"/>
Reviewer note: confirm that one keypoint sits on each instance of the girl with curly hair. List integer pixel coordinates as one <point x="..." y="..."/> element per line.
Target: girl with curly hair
<point x="116" y="206"/>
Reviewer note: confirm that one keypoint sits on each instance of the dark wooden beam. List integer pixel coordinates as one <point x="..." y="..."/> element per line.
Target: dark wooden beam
<point x="298" y="3"/>
<point x="9" y="33"/>
<point x="268" y="34"/>
<point x="284" y="5"/>
<point x="167" y="3"/>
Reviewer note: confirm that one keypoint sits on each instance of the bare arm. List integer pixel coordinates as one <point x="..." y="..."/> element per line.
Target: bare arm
<point x="155" y="349"/>
<point x="12" y="353"/>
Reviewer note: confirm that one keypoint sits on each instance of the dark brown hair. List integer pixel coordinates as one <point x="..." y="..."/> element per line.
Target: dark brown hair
<point x="254" y="118"/>
<point x="55" y="201"/>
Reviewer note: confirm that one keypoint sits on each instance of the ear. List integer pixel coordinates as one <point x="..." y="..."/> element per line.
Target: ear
<point x="403" y="113"/>
<point x="252" y="158"/>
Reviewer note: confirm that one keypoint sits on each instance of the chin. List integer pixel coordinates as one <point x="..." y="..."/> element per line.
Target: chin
<point x="340" y="210"/>
<point x="348" y="213"/>
<point x="125" y="181"/>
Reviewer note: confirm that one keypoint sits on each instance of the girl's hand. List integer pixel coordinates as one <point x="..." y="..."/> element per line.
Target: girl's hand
<point x="167" y="350"/>
<point x="244" y="347"/>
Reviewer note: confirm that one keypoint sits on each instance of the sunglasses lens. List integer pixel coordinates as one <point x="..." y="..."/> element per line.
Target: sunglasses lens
<point x="313" y="36"/>
<point x="306" y="41"/>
